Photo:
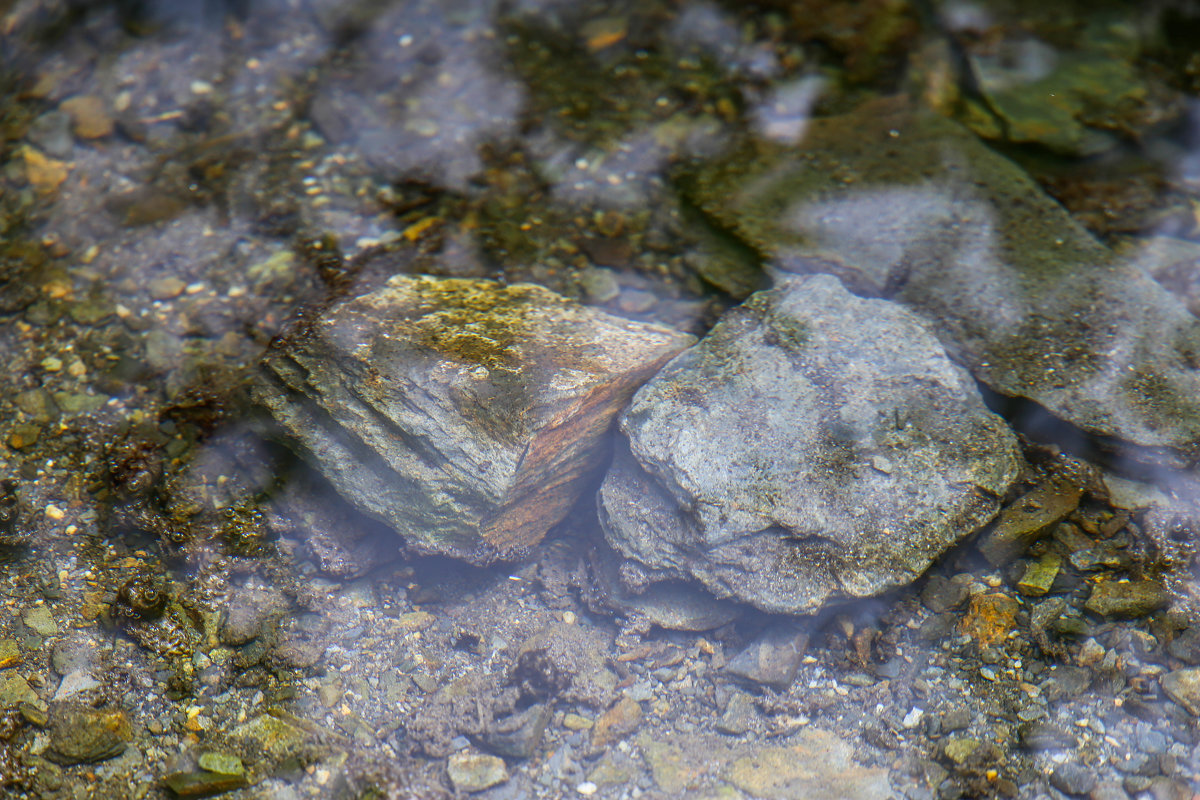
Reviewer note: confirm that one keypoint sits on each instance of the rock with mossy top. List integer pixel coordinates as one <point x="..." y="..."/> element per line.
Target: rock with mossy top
<point x="814" y="446"/>
<point x="466" y="414"/>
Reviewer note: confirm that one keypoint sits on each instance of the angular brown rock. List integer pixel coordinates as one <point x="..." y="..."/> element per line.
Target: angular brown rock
<point x="466" y="414"/>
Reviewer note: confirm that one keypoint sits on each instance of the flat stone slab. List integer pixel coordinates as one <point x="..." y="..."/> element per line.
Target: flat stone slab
<point x="813" y="763"/>
<point x="911" y="206"/>
<point x="814" y="445"/>
<point x="466" y="414"/>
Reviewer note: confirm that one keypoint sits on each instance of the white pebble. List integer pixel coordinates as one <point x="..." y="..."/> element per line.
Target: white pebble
<point x="587" y="788"/>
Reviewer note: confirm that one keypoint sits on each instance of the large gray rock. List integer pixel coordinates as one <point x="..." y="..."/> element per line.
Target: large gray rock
<point x="466" y="414"/>
<point x="911" y="206"/>
<point x="814" y="445"/>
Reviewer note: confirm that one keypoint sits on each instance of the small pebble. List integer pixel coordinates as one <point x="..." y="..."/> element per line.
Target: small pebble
<point x="54" y="512"/>
<point x="587" y="788"/>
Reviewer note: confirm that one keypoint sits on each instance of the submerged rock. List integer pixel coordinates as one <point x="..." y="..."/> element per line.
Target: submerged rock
<point x="813" y="445"/>
<point x="87" y="735"/>
<point x="911" y="206"/>
<point x="466" y="414"/>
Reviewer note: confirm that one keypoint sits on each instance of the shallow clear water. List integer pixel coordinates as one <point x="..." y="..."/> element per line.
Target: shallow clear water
<point x="256" y="540"/>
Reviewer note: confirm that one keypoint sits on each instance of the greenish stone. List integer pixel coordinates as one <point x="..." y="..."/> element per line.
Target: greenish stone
<point x="474" y="772"/>
<point x="609" y="773"/>
<point x="1127" y="599"/>
<point x="599" y="284"/>
<point x="1070" y="107"/>
<point x="277" y="267"/>
<point x="24" y="435"/>
<point x="91" y="311"/>
<point x="163" y="350"/>
<point x="1039" y="575"/>
<point x="817" y="764"/>
<point x="221" y="762"/>
<point x="961" y="748"/>
<point x="202" y="783"/>
<point x="37" y="404"/>
<point x="672" y="766"/>
<point x="277" y="738"/>
<point x="87" y="735"/>
<point x="39" y="620"/>
<point x="79" y="402"/>
<point x="14" y="690"/>
<point x="1183" y="686"/>
<point x="34" y="714"/>
<point x="1029" y="517"/>
<point x="901" y="203"/>
<point x="44" y="312"/>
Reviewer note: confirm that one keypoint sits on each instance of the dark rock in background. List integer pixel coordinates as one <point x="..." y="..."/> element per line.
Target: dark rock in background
<point x="911" y="206"/>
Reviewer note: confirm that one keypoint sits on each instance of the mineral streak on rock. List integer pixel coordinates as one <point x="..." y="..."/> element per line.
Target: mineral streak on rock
<point x="464" y="413"/>
<point x="813" y="445"/>
<point x="911" y="206"/>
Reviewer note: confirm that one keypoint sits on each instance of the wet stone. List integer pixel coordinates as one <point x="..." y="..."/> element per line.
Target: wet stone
<point x="1039" y="575"/>
<point x="990" y="618"/>
<point x="89" y="116"/>
<point x="297" y="652"/>
<point x="739" y="715"/>
<point x="1128" y="599"/>
<point x="1183" y="686"/>
<point x="818" y="764"/>
<point x="1108" y="790"/>
<point x="1022" y="523"/>
<point x="10" y="654"/>
<point x="1073" y="778"/>
<point x="1164" y="788"/>
<point x="51" y="132"/>
<point x="87" y="735"/>
<point x="275" y="737"/>
<point x="1093" y="559"/>
<point x="466" y="414"/>
<point x="74" y="683"/>
<point x="941" y="594"/>
<point x="474" y="772"/>
<point x="37" y="403"/>
<point x="14" y="690"/>
<point x="773" y="658"/>
<point x="599" y="284"/>
<point x="24" y="435"/>
<point x="1186" y="646"/>
<point x="248" y="612"/>
<point x="519" y="735"/>
<point x="956" y="719"/>
<point x="619" y="721"/>
<point x="39" y="620"/>
<point x="221" y="762"/>
<point x="203" y="783"/>
<point x="960" y="748"/>
<point x="754" y="459"/>
<point x="1066" y="681"/>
